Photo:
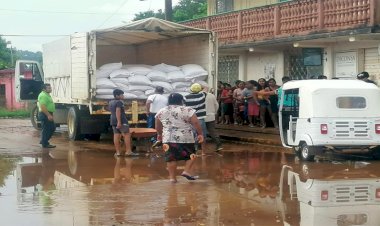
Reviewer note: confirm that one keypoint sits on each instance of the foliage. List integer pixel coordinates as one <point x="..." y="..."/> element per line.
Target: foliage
<point x="142" y="15"/>
<point x="185" y="10"/>
<point x="189" y="9"/>
<point x="20" y="113"/>
<point x="6" y="56"/>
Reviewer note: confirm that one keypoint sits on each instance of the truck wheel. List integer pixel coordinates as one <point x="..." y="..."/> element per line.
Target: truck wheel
<point x="34" y="118"/>
<point x="307" y="153"/>
<point x="375" y="153"/>
<point x="73" y="117"/>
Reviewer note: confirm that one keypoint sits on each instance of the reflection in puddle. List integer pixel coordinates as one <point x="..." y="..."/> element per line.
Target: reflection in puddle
<point x="238" y="188"/>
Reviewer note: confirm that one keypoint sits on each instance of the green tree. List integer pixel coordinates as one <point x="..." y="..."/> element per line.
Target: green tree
<point x="185" y="10"/>
<point x="189" y="10"/>
<point x="150" y="13"/>
<point x="5" y="54"/>
<point x="28" y="55"/>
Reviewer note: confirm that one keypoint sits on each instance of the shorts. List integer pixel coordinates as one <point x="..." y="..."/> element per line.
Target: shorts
<point x="124" y="129"/>
<point x="253" y="109"/>
<point x="179" y="151"/>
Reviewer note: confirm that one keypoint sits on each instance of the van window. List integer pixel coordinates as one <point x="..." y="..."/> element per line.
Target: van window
<point x="351" y="102"/>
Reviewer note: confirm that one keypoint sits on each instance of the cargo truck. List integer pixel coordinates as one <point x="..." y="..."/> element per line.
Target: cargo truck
<point x="70" y="63"/>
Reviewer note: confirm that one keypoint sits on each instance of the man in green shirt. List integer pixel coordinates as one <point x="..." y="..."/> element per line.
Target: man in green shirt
<point x="46" y="109"/>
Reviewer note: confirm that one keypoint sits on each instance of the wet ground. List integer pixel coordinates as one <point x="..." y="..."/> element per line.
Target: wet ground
<point x="81" y="183"/>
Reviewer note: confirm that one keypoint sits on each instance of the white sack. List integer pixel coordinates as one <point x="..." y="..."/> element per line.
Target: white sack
<point x="120" y="73"/>
<point x="182" y="89"/>
<point x="168" y="88"/>
<point x="137" y="69"/>
<point x="158" y="76"/>
<point x="105" y="83"/>
<point x="176" y="76"/>
<point x="139" y="88"/>
<point x="139" y="80"/>
<point x="149" y="92"/>
<point x="201" y="76"/>
<point x="105" y="97"/>
<point x="105" y="73"/>
<point x="122" y="86"/>
<point x="177" y="85"/>
<point x="120" y="80"/>
<point x="202" y="83"/>
<point x="166" y="68"/>
<point x="192" y="69"/>
<point x="104" y="91"/>
<point x="129" y="96"/>
<point x="137" y="92"/>
<point x="111" y="66"/>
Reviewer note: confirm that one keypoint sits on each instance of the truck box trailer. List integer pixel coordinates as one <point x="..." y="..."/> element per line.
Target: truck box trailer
<point x="70" y="63"/>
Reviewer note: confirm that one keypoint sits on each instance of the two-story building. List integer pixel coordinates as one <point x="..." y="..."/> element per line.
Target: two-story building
<point x="301" y="39"/>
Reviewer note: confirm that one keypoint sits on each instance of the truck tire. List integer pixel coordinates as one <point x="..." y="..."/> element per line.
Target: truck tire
<point x="34" y="118"/>
<point x="306" y="153"/>
<point x="73" y="117"/>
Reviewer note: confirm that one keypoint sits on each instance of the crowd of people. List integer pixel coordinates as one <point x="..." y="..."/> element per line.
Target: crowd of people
<point x="247" y="103"/>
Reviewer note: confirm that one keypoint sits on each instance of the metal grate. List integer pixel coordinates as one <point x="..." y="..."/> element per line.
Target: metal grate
<point x="345" y="129"/>
<point x="352" y="194"/>
<point x="228" y="69"/>
<point x="294" y="66"/>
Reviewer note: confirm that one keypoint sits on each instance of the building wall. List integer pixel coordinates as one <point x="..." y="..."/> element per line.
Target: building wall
<point x="10" y="95"/>
<point x="265" y="65"/>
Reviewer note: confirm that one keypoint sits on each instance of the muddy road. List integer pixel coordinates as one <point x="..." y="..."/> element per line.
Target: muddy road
<point x="82" y="183"/>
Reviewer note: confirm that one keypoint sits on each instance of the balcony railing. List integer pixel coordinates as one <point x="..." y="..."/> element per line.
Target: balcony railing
<point x="290" y="18"/>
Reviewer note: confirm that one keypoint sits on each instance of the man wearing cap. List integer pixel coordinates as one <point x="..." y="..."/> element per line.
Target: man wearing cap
<point x="364" y="76"/>
<point x="197" y="100"/>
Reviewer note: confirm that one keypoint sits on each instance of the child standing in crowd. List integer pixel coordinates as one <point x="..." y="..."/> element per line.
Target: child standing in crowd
<point x="227" y="100"/>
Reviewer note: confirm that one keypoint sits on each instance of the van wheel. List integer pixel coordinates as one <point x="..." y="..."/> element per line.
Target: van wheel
<point x="306" y="153"/>
<point x="34" y="118"/>
<point x="73" y="117"/>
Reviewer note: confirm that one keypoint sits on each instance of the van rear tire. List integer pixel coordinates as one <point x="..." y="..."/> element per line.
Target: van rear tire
<point x="307" y="153"/>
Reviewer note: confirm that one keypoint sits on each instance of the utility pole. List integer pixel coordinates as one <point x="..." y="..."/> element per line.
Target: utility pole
<point x="168" y="10"/>
<point x="10" y="43"/>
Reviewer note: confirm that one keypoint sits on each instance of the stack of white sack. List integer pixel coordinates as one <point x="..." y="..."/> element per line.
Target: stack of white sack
<point x="138" y="81"/>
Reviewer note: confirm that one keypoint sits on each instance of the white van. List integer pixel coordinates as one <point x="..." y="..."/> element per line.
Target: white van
<point x="334" y="114"/>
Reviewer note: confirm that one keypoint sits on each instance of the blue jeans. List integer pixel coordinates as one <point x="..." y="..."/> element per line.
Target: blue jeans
<point x="151" y="120"/>
<point x="48" y="128"/>
<point x="151" y="124"/>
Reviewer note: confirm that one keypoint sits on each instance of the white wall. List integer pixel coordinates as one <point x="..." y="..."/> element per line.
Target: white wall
<point x="257" y="62"/>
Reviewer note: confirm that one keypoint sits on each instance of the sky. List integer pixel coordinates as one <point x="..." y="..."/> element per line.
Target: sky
<point x="41" y="21"/>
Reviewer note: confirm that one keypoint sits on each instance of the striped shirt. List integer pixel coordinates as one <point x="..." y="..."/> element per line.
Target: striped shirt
<point x="197" y="101"/>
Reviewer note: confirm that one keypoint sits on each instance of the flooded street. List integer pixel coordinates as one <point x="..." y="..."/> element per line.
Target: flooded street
<point x="82" y="183"/>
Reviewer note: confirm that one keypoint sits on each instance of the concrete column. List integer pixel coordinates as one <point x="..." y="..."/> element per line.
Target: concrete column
<point x="328" y="62"/>
<point x="243" y="67"/>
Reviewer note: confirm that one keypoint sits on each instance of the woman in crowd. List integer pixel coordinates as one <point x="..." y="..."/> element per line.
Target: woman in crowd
<point x="227" y="101"/>
<point x="174" y="125"/>
<point x="239" y="104"/>
<point x="273" y="101"/>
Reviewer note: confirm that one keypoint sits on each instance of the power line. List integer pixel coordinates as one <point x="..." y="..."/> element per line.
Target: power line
<point x="30" y="35"/>
<point x="61" y="12"/>
<point x="116" y="11"/>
